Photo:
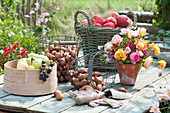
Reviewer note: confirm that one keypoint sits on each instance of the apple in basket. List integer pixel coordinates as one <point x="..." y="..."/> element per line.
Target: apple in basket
<point x="97" y="25"/>
<point x="110" y="19"/>
<point x="84" y="22"/>
<point x="123" y="21"/>
<point x="114" y="14"/>
<point x="109" y="24"/>
<point x="97" y="19"/>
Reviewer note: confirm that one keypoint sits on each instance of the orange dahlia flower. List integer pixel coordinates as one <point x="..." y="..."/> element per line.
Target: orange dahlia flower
<point x="141" y="44"/>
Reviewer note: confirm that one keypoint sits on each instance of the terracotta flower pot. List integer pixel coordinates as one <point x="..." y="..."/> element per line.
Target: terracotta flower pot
<point x="128" y="73"/>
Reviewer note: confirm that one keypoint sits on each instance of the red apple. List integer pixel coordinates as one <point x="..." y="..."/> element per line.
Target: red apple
<point x="97" y="25"/>
<point x="109" y="24"/>
<point x="122" y="21"/>
<point x="84" y="22"/>
<point x="130" y="22"/>
<point x="97" y="19"/>
<point x="110" y="19"/>
<point x="114" y="14"/>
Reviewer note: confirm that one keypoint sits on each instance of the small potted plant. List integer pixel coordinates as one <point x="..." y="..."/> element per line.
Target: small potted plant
<point x="128" y="50"/>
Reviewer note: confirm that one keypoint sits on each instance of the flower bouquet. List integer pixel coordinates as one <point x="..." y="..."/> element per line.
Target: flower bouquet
<point x="130" y="51"/>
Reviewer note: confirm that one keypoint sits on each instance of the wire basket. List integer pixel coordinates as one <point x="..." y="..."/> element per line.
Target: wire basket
<point x="83" y="74"/>
<point x="62" y="50"/>
<point x="93" y="36"/>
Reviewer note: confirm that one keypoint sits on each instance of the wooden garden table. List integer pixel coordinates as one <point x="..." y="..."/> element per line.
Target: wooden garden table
<point x="143" y="92"/>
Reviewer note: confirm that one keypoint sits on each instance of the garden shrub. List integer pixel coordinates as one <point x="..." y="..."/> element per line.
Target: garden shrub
<point x="13" y="30"/>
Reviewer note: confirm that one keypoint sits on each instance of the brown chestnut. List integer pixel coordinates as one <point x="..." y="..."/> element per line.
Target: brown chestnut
<point x="97" y="74"/>
<point x="122" y="89"/>
<point x="61" y="79"/>
<point x="46" y="51"/>
<point x="56" y="43"/>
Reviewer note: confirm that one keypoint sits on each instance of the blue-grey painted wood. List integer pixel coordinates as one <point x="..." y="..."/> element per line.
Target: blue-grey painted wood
<point x="1" y="79"/>
<point x="54" y="106"/>
<point x="144" y="78"/>
<point x="23" y="102"/>
<point x="2" y="92"/>
<point x="142" y="100"/>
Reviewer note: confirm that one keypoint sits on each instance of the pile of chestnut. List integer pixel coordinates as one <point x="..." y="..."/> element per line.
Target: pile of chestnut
<point x="62" y="55"/>
<point x="79" y="78"/>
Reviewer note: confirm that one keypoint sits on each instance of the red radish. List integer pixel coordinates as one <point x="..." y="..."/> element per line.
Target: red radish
<point x="109" y="24"/>
<point x="97" y="25"/>
<point x="110" y="19"/>
<point x="122" y="21"/>
<point x="84" y="22"/>
<point x="114" y="14"/>
<point x="97" y="19"/>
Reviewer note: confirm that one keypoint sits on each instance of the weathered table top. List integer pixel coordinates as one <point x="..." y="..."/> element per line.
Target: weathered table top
<point x="143" y="92"/>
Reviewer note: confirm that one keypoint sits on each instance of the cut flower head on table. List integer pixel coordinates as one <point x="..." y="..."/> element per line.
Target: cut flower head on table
<point x="163" y="102"/>
<point x="130" y="47"/>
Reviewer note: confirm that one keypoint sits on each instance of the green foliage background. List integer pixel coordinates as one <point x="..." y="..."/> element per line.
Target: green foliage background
<point x="13" y="30"/>
<point x="63" y="21"/>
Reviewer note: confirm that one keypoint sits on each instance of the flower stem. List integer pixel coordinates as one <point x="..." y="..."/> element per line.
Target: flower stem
<point x="165" y="108"/>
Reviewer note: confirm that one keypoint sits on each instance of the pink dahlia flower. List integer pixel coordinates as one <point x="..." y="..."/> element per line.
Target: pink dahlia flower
<point x="134" y="57"/>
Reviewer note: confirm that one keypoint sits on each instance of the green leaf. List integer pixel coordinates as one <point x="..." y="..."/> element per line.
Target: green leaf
<point x="146" y="41"/>
<point x="162" y="31"/>
<point x="153" y="21"/>
<point x="125" y="39"/>
<point x="140" y="8"/>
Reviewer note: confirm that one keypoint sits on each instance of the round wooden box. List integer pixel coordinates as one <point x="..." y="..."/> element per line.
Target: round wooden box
<point x="26" y="82"/>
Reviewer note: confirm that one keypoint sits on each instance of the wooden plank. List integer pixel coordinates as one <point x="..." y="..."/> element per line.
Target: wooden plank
<point x="23" y="11"/>
<point x="23" y="102"/>
<point x="141" y="100"/>
<point x="85" y="109"/>
<point x="144" y="79"/>
<point x="28" y="12"/>
<point x="35" y="15"/>
<point x="65" y="86"/>
<point x="2" y="92"/>
<point x="53" y="105"/>
<point x="18" y="11"/>
<point x="1" y="79"/>
<point x="40" y="9"/>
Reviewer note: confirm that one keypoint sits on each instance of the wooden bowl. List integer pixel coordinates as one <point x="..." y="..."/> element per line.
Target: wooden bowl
<point x="26" y="82"/>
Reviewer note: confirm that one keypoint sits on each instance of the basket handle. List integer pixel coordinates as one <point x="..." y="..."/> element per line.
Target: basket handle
<point x="84" y="13"/>
<point x="134" y="18"/>
<point x="90" y="71"/>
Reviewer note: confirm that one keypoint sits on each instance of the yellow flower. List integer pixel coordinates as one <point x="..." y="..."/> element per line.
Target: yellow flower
<point x="142" y="31"/>
<point x="152" y="45"/>
<point x="148" y="62"/>
<point x="156" y="50"/>
<point x="161" y="64"/>
<point x="120" y="54"/>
